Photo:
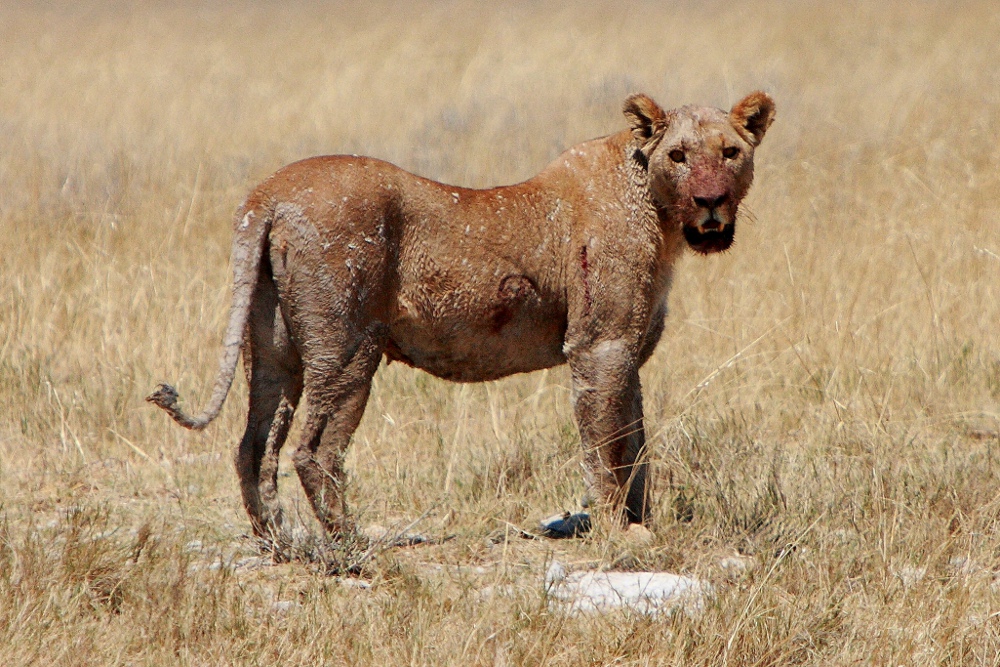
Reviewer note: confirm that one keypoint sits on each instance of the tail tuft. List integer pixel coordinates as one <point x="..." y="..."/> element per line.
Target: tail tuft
<point x="165" y="397"/>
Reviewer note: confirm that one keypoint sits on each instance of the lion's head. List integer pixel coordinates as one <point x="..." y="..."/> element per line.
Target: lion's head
<point x="700" y="162"/>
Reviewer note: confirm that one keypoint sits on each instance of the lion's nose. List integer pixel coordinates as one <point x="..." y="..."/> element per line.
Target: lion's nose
<point x="712" y="201"/>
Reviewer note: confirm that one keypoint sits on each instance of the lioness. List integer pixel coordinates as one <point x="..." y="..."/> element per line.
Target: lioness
<point x="340" y="260"/>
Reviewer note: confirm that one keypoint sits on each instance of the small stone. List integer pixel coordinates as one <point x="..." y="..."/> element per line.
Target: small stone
<point x="639" y="535"/>
<point x="358" y="584"/>
<point x="962" y="566"/>
<point x="503" y="534"/>
<point x="737" y="567"/>
<point x="389" y="538"/>
<point x="250" y="563"/>
<point x="283" y="606"/>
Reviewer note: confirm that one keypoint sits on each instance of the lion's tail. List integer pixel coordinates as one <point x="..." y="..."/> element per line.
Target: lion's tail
<point x="248" y="248"/>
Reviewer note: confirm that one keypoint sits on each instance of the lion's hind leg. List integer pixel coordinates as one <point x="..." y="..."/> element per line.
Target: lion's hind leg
<point x="272" y="407"/>
<point x="271" y="516"/>
<point x="337" y="393"/>
<point x="274" y="374"/>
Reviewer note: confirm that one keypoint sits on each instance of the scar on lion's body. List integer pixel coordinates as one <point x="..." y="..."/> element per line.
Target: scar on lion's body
<point x="584" y="266"/>
<point x="512" y="292"/>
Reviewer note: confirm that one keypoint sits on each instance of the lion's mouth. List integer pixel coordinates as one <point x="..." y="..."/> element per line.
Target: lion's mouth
<point x="709" y="240"/>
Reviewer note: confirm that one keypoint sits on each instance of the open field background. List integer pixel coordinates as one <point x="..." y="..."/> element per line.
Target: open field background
<point x="823" y="410"/>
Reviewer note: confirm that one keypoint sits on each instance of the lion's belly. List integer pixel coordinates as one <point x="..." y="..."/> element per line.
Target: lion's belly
<point x="472" y="340"/>
<point x="458" y="360"/>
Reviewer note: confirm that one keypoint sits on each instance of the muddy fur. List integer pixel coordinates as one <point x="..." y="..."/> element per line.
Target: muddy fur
<point x="341" y="260"/>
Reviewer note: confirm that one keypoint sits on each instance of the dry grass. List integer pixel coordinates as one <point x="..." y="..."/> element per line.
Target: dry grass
<point x="825" y="400"/>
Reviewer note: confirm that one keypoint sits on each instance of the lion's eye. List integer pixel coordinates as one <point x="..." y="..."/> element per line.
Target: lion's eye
<point x="730" y="152"/>
<point x="677" y="155"/>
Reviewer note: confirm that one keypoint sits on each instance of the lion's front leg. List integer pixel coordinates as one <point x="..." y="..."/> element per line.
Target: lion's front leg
<point x="607" y="403"/>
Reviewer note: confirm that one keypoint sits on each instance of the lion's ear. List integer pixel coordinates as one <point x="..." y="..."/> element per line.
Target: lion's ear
<point x="645" y="116"/>
<point x="752" y="115"/>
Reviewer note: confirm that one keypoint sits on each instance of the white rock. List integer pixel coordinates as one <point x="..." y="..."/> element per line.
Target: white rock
<point x="962" y="566"/>
<point x="650" y="593"/>
<point x="910" y="576"/>
<point x="555" y="574"/>
<point x="284" y="606"/>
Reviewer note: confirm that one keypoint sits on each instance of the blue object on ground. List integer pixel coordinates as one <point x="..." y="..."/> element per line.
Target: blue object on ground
<point x="565" y="525"/>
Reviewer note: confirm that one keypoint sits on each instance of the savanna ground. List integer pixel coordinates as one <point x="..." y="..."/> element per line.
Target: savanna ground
<point x="822" y="410"/>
